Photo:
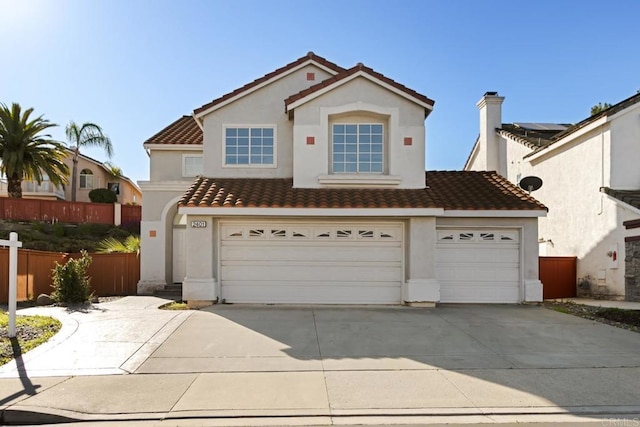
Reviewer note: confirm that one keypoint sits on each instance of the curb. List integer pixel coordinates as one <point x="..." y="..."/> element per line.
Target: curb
<point x="30" y="415"/>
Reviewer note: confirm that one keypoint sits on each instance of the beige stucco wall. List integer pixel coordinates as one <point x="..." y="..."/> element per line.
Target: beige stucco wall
<point x="582" y="221"/>
<point x="356" y="98"/>
<point x="167" y="165"/>
<point x="156" y="236"/>
<point x="625" y="152"/>
<point x="129" y="194"/>
<point x="262" y="107"/>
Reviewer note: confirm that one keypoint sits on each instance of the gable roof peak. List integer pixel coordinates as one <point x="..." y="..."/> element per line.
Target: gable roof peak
<point x="310" y="56"/>
<point x="292" y="101"/>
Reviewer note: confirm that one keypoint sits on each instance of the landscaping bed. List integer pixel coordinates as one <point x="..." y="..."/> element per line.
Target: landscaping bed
<point x="626" y="319"/>
<point x="31" y="332"/>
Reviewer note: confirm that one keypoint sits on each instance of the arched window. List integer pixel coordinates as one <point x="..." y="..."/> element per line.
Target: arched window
<point x="86" y="178"/>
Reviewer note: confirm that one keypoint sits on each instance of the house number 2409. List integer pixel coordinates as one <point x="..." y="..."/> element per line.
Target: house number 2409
<point x="198" y="224"/>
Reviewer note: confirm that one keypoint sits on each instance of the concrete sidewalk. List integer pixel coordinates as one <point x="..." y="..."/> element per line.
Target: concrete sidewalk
<point x="625" y="305"/>
<point x="99" y="339"/>
<point x="306" y="365"/>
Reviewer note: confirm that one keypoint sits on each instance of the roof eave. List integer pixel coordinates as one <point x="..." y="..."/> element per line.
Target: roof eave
<point x="174" y="147"/>
<point x="199" y="113"/>
<point x="315" y="212"/>
<point x="360" y="73"/>
<point x="542" y="151"/>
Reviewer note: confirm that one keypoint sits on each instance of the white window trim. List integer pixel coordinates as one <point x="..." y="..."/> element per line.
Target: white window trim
<point x="252" y="166"/>
<point x="184" y="166"/>
<point x="393" y="131"/>
<point x="92" y="175"/>
<point x="385" y="149"/>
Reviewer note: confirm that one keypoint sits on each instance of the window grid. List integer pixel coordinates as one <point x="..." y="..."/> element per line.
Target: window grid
<point x="86" y="178"/>
<point x="357" y="148"/>
<point x="192" y="165"/>
<point x="249" y="146"/>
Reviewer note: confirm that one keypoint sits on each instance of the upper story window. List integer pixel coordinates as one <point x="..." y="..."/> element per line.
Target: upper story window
<point x="249" y="146"/>
<point x="86" y="178"/>
<point x="358" y="148"/>
<point x="191" y="165"/>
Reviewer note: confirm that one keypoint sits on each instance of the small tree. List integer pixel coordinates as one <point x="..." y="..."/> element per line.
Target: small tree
<point x="81" y="136"/>
<point x="599" y="107"/>
<point x="102" y="195"/>
<point x="71" y="284"/>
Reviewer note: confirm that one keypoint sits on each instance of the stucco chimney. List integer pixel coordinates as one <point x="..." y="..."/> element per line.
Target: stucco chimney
<point x="490" y="153"/>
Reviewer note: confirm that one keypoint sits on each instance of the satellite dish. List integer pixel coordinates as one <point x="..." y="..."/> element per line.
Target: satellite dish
<point x="530" y="183"/>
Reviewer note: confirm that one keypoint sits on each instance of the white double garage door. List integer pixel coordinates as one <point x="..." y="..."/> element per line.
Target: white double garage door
<point x="359" y="263"/>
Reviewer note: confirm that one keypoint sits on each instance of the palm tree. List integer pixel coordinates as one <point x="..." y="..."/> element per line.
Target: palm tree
<point x="25" y="153"/>
<point x="113" y="245"/>
<point x="85" y="135"/>
<point x="114" y="172"/>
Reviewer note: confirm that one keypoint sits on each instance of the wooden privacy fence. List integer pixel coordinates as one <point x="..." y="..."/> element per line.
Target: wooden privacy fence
<point x="558" y="276"/>
<point x="56" y="210"/>
<point x="73" y="212"/>
<point x="130" y="214"/>
<point x="111" y="274"/>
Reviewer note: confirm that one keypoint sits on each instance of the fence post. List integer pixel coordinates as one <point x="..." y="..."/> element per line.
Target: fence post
<point x="13" y="244"/>
<point x="117" y="214"/>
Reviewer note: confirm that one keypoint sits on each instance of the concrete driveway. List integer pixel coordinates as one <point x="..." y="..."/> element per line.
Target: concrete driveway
<point x="315" y="338"/>
<point x="390" y="359"/>
<point x="340" y="365"/>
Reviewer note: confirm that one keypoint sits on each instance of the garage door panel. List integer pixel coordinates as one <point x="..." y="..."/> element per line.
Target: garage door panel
<point x="510" y="275"/>
<point x="478" y="266"/>
<point x="312" y="292"/>
<point x="311" y="263"/>
<point x="469" y="292"/>
<point x="476" y="256"/>
<point x="280" y="271"/>
<point x="310" y="253"/>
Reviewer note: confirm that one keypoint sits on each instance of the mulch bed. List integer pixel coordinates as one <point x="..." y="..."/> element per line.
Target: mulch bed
<point x="625" y="319"/>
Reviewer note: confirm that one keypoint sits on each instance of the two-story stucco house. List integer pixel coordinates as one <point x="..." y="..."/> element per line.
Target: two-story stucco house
<point x="591" y="184"/>
<point x="307" y="185"/>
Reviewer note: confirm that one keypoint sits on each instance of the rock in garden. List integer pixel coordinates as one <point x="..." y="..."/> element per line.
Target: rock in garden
<point x="44" y="299"/>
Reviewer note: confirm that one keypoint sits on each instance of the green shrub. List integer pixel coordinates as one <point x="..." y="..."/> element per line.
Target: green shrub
<point x="58" y="230"/>
<point x="102" y="195"/>
<point x="70" y="281"/>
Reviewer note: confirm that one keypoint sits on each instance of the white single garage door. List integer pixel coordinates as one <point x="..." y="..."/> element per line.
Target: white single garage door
<point x="276" y="262"/>
<point x="478" y="265"/>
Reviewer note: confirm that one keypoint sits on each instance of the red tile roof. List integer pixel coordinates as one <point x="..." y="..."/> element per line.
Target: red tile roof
<point x="185" y="131"/>
<point x="343" y="75"/>
<point x="447" y="190"/>
<point x="266" y="77"/>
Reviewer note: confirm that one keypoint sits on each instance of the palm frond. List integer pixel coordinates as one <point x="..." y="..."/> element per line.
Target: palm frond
<point x="112" y="245"/>
<point x="25" y="151"/>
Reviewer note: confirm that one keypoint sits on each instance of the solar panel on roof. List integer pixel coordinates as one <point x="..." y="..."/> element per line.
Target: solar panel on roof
<point x="541" y="126"/>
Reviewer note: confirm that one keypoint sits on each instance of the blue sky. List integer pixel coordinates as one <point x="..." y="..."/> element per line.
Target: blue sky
<point x="134" y="66"/>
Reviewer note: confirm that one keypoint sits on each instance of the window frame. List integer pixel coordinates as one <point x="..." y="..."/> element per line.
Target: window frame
<point x="382" y="153"/>
<point x="184" y="164"/>
<point x="250" y="165"/>
<point x="85" y="175"/>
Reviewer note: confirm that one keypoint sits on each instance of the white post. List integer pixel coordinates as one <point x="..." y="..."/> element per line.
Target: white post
<point x="13" y="244"/>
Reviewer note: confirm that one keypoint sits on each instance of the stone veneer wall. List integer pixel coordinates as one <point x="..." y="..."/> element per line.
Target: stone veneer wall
<point x="632" y="271"/>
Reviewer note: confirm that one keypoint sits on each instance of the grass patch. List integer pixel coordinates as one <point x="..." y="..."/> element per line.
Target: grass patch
<point x="31" y="332"/>
<point x="175" y="306"/>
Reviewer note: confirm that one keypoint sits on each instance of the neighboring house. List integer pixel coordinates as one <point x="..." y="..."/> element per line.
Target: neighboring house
<point x="591" y="185"/>
<point x="91" y="174"/>
<point x="307" y="185"/>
